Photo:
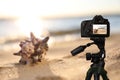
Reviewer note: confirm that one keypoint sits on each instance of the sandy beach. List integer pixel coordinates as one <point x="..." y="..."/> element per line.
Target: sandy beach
<point x="59" y="64"/>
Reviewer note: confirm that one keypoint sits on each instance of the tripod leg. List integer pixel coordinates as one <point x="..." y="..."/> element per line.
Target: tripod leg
<point x="96" y="76"/>
<point x="104" y="74"/>
<point x="89" y="74"/>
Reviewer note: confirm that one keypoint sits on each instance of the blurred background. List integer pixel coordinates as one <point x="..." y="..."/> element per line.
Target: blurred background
<point x="59" y="19"/>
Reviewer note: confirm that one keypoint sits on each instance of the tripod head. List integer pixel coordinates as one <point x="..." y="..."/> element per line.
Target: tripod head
<point x="99" y="42"/>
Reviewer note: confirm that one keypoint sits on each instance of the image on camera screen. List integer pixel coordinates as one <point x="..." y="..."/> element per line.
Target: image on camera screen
<point x="100" y="29"/>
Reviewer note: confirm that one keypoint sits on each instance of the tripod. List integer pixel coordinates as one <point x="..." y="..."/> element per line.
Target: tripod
<point x="97" y="59"/>
<point x="97" y="67"/>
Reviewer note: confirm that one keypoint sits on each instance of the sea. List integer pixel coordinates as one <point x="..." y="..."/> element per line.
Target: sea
<point x="62" y="24"/>
<point x="9" y="29"/>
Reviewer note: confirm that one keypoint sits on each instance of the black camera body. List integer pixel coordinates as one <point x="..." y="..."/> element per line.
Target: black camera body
<point x="97" y="27"/>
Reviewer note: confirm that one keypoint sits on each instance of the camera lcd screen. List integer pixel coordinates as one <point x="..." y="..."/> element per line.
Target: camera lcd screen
<point x="99" y="29"/>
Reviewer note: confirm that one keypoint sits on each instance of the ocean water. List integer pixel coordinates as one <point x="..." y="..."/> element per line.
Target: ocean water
<point x="65" y="24"/>
<point x="8" y="28"/>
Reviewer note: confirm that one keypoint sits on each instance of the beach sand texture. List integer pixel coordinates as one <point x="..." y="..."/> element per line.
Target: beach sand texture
<point x="59" y="64"/>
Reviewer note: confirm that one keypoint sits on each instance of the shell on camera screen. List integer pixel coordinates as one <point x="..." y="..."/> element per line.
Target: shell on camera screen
<point x="99" y="29"/>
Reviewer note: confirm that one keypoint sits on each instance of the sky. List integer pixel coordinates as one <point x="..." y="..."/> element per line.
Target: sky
<point x="29" y="13"/>
<point x="48" y="8"/>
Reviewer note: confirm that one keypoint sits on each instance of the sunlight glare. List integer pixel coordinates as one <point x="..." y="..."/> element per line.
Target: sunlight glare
<point x="30" y="24"/>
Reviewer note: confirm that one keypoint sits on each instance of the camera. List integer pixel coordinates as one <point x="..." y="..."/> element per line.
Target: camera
<point x="97" y="27"/>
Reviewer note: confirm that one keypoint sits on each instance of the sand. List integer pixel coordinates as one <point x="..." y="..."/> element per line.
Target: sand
<point x="59" y="64"/>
